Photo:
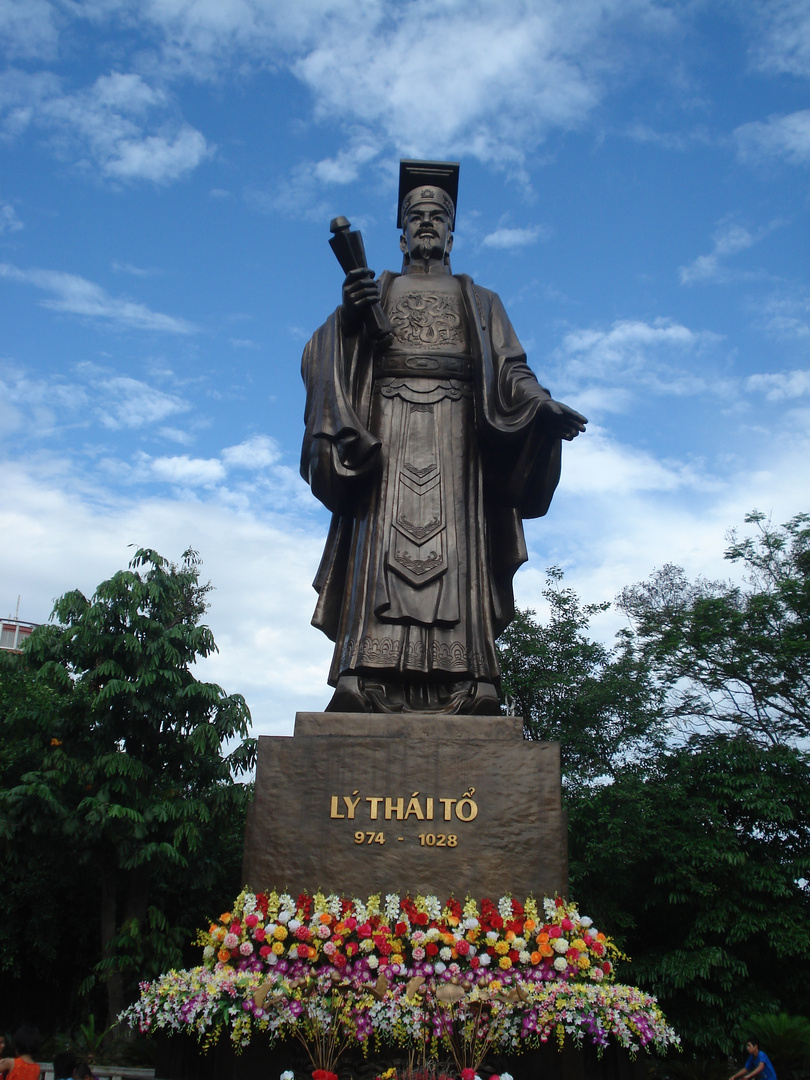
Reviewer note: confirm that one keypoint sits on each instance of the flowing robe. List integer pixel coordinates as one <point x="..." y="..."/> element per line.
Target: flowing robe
<point x="427" y="479"/>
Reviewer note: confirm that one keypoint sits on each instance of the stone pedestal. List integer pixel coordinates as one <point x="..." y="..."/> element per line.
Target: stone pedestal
<point x="358" y="803"/>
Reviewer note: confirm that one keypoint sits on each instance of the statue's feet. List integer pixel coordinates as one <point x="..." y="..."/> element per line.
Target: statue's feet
<point x="348" y="696"/>
<point x="484" y="701"/>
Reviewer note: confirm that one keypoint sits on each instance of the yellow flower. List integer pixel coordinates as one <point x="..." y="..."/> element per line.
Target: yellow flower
<point x="584" y="962"/>
<point x="225" y="917"/>
<point x="280" y="933"/>
<point x="505" y="963"/>
<point x="495" y="986"/>
<point x="278" y="948"/>
<point x="501" y="947"/>
<point x="578" y="943"/>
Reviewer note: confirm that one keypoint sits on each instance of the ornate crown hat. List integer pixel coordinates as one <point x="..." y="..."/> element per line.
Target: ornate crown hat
<point x="436" y="181"/>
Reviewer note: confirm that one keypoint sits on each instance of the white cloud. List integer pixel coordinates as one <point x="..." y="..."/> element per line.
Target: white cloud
<point x="184" y="471"/>
<point x="9" y="222"/>
<point x="28" y="29"/>
<point x="782" y="42"/>
<point x="785" y="137"/>
<point x="78" y="296"/>
<point x="787" y="316"/>
<point x="514" y="238"/>
<point x="644" y="354"/>
<point x="780" y="385"/>
<point x="258" y="452"/>
<point x="108" y="127"/>
<point x="129" y="403"/>
<point x="728" y="240"/>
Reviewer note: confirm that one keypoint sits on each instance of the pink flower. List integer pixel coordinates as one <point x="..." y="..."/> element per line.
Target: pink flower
<point x="566" y="924"/>
<point x="468" y="1074"/>
<point x="246" y="948"/>
<point x="251" y="920"/>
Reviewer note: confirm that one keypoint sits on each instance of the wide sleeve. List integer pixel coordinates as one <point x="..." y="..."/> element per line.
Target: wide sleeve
<point x="337" y="448"/>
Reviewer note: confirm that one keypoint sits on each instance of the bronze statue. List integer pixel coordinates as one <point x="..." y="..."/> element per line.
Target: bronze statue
<point x="429" y="438"/>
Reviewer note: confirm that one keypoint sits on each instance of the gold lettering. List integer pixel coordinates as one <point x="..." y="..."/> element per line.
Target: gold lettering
<point x="448" y="808"/>
<point x="375" y="801"/>
<point x="392" y="806"/>
<point x="414" y="808"/>
<point x="351" y="805"/>
<point x="467" y="808"/>
<point x="429" y="814"/>
<point x="334" y="811"/>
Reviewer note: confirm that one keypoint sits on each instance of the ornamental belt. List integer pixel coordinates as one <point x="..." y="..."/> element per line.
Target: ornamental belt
<point x="426" y="365"/>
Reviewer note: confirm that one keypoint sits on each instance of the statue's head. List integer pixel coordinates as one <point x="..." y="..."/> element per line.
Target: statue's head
<point x="427" y="222"/>
<point x="427" y="209"/>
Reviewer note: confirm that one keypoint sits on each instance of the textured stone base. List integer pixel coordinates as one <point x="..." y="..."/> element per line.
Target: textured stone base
<point x="359" y="803"/>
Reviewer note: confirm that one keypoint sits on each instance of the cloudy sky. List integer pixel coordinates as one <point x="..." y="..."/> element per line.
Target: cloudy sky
<point x="634" y="183"/>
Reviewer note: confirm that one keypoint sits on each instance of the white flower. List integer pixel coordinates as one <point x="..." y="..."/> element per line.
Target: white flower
<point x="288" y="1074"/>
<point x="249" y="905"/>
<point x="486" y="959"/>
<point x="293" y="924"/>
<point x="560" y="963"/>
<point x="519" y="943"/>
<point x="439" y="967"/>
<point x="559" y="945"/>
<point x="504" y="1076"/>
<point x="445" y="953"/>
<point x="209" y="952"/>
<point x="432" y="933"/>
<point x="373" y="961"/>
<point x="492" y="935"/>
<point x="524" y="956"/>
<point x="586" y="921"/>
<point x="505" y="907"/>
<point x="366" y="945"/>
<point x="284" y="916"/>
<point x="272" y="959"/>
<point x="334" y="905"/>
<point x="470" y="924"/>
<point x="392" y="906"/>
<point x="433" y="907"/>
<point x="550" y="908"/>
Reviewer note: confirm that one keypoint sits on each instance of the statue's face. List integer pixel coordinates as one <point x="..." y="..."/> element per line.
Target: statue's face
<point x="426" y="232"/>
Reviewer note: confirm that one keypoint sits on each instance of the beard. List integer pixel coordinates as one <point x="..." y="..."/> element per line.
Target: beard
<point x="428" y="248"/>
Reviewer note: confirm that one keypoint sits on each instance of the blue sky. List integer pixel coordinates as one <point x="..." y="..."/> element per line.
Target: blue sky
<point x="634" y="183"/>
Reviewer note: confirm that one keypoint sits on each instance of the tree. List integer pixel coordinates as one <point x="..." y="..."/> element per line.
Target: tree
<point x="734" y="657"/>
<point x="119" y="754"/>
<point x="600" y="703"/>
<point x="699" y="861"/>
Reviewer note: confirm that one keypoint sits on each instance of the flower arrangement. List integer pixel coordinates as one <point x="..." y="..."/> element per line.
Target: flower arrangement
<point x="407" y="937"/>
<point x="407" y="972"/>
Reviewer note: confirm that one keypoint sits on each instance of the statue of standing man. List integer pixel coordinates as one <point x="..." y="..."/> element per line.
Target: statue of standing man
<point x="429" y="447"/>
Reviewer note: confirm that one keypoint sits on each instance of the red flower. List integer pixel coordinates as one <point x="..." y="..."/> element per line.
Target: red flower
<point x="572" y="954"/>
<point x="566" y="924"/>
<point x="339" y="960"/>
<point x="364" y="930"/>
<point x="400" y="929"/>
<point x="513" y="955"/>
<point x="351" y="948"/>
<point x="468" y="1074"/>
<point x="305" y="906"/>
<point x="431" y="948"/>
<point x="303" y="933"/>
<point x="421" y="918"/>
<point x="475" y="963"/>
<point x="462" y="947"/>
<point x="265" y="950"/>
<point x="554" y="931"/>
<point x="351" y="922"/>
<point x="598" y="948"/>
<point x="559" y="902"/>
<point x="607" y="967"/>
<point x="323" y="1074"/>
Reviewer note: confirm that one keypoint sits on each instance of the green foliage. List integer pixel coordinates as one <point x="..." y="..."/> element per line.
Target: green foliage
<point x="112" y="748"/>
<point x="698" y="860"/>
<point x="601" y="704"/>
<point x="786" y="1041"/>
<point x="729" y="656"/>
